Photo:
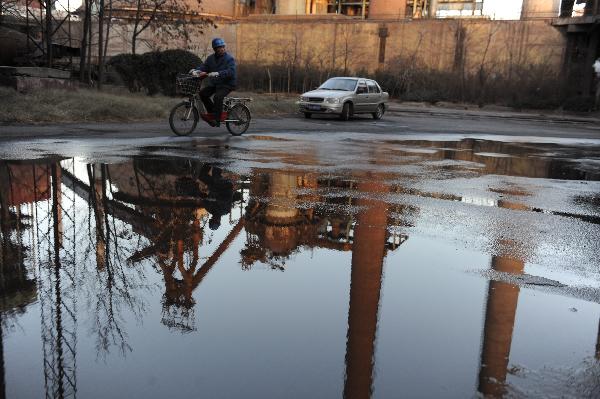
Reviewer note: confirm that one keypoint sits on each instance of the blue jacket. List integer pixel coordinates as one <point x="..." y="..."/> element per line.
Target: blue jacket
<point x="226" y="67"/>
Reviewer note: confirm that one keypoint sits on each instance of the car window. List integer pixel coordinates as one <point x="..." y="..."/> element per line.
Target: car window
<point x="339" y="84"/>
<point x="362" y="87"/>
<point x="372" y="87"/>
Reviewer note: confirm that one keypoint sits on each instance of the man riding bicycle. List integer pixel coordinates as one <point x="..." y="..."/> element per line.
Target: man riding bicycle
<point x="220" y="68"/>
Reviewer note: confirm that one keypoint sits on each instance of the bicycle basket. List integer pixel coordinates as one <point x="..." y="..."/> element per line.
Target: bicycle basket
<point x="187" y="84"/>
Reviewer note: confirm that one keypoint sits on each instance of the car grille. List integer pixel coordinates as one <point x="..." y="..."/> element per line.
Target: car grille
<point x="315" y="99"/>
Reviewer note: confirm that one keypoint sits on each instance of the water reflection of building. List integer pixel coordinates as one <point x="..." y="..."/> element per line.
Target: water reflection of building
<point x="286" y="212"/>
<point x="368" y="253"/>
<point x="172" y="203"/>
<point x="505" y="158"/>
<point x="285" y="218"/>
<point x="500" y="313"/>
<point x="24" y="187"/>
<point x="17" y="288"/>
<point x="20" y="184"/>
<point x="276" y="224"/>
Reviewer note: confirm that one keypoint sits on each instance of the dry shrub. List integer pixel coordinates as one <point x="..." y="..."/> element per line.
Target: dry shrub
<point x="406" y="79"/>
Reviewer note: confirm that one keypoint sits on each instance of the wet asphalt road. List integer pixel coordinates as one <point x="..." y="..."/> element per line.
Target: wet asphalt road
<point x="408" y="122"/>
<point x="420" y="256"/>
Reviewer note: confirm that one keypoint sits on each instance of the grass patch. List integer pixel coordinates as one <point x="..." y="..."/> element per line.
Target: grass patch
<point x="270" y="104"/>
<point x="86" y="105"/>
<point x="83" y="105"/>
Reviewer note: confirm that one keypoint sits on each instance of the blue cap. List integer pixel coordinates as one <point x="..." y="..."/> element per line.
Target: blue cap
<point x="218" y="42"/>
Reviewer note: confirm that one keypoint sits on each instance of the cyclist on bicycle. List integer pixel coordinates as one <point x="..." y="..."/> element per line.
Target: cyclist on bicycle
<point x="221" y="69"/>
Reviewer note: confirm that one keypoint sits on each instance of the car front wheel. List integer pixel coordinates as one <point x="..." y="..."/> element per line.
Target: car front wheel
<point x="346" y="112"/>
<point x="307" y="115"/>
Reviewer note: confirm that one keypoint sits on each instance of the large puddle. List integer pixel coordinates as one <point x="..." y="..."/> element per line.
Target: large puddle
<point x="424" y="269"/>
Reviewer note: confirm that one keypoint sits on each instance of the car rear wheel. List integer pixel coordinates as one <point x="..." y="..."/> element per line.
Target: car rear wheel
<point x="346" y="112"/>
<point x="378" y="114"/>
<point x="307" y="115"/>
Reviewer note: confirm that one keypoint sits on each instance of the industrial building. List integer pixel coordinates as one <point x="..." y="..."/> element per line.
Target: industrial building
<point x="373" y="9"/>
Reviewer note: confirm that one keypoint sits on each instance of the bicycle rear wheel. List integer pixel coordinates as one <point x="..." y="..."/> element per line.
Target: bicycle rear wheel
<point x="183" y="118"/>
<point x="239" y="116"/>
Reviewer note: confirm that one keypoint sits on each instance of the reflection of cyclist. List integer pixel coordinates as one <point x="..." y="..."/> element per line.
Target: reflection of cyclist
<point x="221" y="195"/>
<point x="221" y="69"/>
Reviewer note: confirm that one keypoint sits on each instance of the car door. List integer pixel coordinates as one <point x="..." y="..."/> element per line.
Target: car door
<point x="362" y="97"/>
<point x="374" y="95"/>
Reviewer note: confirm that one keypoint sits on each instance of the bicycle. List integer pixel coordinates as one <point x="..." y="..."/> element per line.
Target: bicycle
<point x="185" y="115"/>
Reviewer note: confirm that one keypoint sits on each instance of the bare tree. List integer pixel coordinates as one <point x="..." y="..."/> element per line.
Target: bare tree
<point x="482" y="71"/>
<point x="84" y="59"/>
<point x="173" y="16"/>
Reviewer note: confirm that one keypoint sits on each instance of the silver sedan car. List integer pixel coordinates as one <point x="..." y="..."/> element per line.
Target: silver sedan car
<point x="345" y="97"/>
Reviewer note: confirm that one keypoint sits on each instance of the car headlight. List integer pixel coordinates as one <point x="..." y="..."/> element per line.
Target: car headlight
<point x="305" y="99"/>
<point x="332" y="100"/>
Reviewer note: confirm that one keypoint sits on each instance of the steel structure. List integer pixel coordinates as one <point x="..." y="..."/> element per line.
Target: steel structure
<point x="47" y="25"/>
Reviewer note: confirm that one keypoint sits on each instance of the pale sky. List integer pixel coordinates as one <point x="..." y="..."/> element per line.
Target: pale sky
<point x="496" y="9"/>
<point x="502" y="9"/>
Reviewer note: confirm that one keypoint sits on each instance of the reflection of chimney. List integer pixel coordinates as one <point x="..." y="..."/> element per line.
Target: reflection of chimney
<point x="96" y="176"/>
<point x="365" y="287"/>
<point x="499" y="323"/>
<point x="282" y="206"/>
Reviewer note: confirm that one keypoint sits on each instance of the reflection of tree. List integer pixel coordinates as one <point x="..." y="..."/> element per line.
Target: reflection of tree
<point x="113" y="287"/>
<point x="57" y="298"/>
<point x="181" y="198"/>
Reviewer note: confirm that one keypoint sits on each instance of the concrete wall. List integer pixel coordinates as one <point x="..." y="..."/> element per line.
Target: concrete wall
<point x="436" y="44"/>
<point x="430" y="43"/>
<point x="151" y="40"/>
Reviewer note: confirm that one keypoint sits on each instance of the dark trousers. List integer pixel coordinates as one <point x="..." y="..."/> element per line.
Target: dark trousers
<point x="215" y="105"/>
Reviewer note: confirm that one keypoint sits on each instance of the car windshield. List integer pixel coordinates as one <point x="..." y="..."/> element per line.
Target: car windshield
<point x="339" y="84"/>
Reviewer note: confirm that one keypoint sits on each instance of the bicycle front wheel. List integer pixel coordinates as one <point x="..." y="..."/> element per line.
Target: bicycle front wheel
<point x="183" y="118"/>
<point x="239" y="119"/>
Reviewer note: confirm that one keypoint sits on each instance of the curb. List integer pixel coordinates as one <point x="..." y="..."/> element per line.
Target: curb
<point x="496" y="115"/>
